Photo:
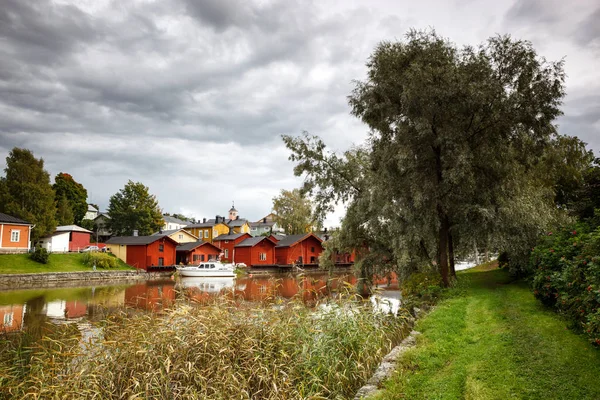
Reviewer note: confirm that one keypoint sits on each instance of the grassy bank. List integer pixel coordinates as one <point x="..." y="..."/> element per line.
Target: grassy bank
<point x="220" y="351"/>
<point x="70" y="262"/>
<point x="492" y="340"/>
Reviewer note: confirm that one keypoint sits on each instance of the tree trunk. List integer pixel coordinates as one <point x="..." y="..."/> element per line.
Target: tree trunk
<point x="451" y="255"/>
<point x="476" y="252"/>
<point x="443" y="249"/>
<point x="487" y="251"/>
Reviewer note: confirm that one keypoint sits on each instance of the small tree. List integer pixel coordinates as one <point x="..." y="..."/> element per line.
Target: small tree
<point x="27" y="193"/>
<point x="134" y="208"/>
<point x="75" y="194"/>
<point x="294" y="212"/>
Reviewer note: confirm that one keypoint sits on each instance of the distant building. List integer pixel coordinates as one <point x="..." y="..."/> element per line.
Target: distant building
<point x="173" y="223"/>
<point x="91" y="213"/>
<point x="196" y="252"/>
<point x="227" y="245"/>
<point x="207" y="230"/>
<point x="300" y="249"/>
<point x="255" y="251"/>
<point x="178" y="235"/>
<point x="266" y="226"/>
<point x="101" y="229"/>
<point x="67" y="238"/>
<point x="15" y="234"/>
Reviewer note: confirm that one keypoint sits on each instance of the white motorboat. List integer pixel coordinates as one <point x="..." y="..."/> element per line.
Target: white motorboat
<point x="214" y="284"/>
<point x="206" y="269"/>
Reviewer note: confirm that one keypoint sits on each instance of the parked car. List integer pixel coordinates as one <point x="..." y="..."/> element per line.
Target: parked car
<point x="90" y="248"/>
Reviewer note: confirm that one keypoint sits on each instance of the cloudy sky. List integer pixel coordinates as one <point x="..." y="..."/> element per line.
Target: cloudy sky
<point x="190" y="97"/>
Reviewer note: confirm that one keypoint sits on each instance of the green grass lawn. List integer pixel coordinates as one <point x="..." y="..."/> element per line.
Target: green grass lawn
<point x="70" y="262"/>
<point x="492" y="340"/>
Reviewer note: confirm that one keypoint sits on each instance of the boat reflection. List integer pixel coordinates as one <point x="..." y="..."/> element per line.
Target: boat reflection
<point x="208" y="284"/>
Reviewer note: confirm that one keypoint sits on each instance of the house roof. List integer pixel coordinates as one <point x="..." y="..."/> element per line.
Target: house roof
<point x="233" y="236"/>
<point x="236" y="222"/>
<point x="92" y="208"/>
<point x="174" y="220"/>
<point x="278" y="237"/>
<point x="253" y="241"/>
<point x="71" y="228"/>
<point x="101" y="214"/>
<point x="10" y="219"/>
<point x="192" y="245"/>
<point x="291" y="240"/>
<point x="208" y="224"/>
<point x="169" y="232"/>
<point x="136" y="240"/>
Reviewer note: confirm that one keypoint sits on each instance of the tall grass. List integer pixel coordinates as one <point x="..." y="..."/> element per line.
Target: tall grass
<point x="224" y="350"/>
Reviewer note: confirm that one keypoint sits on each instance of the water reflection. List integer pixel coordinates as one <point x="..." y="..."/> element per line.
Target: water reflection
<point x="37" y="309"/>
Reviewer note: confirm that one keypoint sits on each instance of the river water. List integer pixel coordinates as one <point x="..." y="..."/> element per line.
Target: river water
<point x="87" y="305"/>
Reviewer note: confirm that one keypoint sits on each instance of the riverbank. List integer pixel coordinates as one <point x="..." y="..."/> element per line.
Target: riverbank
<point x="68" y="262"/>
<point x="492" y="340"/>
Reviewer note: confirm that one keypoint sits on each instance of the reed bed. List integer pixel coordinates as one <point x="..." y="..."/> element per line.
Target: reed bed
<point x="222" y="350"/>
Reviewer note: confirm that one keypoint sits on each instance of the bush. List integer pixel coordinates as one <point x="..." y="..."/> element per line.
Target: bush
<point x="426" y="286"/>
<point x="503" y="260"/>
<point x="567" y="276"/>
<point x="100" y="260"/>
<point x="40" y="255"/>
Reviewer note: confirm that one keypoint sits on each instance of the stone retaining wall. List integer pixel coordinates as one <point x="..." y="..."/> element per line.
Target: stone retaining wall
<point x="23" y="281"/>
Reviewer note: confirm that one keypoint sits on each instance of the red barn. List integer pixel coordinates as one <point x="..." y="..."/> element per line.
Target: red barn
<point x="255" y="251"/>
<point x="301" y="249"/>
<point x="144" y="252"/>
<point x="196" y="252"/>
<point x="227" y="245"/>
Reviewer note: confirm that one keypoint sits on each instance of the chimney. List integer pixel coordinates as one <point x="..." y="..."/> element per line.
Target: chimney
<point x="264" y="220"/>
<point x="160" y="230"/>
<point x="325" y="230"/>
<point x="203" y="220"/>
<point x="237" y="217"/>
<point x="216" y="219"/>
<point x="135" y="232"/>
<point x="230" y="231"/>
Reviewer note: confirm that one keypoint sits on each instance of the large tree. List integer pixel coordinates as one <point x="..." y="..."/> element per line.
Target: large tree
<point x="456" y="134"/>
<point x="26" y="192"/>
<point x="294" y="212"/>
<point x="75" y="194"/>
<point x="134" y="208"/>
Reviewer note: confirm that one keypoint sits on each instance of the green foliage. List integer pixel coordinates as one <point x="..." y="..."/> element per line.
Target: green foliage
<point x="88" y="224"/>
<point x="424" y="285"/>
<point x="134" y="208"/>
<point x="40" y="255"/>
<point x="294" y="212"/>
<point x="64" y="214"/>
<point x="25" y="192"/>
<point x="101" y="260"/>
<point x="75" y="194"/>
<point x="566" y="275"/>
<point x="456" y="135"/>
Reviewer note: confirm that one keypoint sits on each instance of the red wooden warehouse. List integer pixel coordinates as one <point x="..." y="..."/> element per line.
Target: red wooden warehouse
<point x="144" y="252"/>
<point x="301" y="249"/>
<point x="255" y="251"/>
<point x="196" y="252"/>
<point x="227" y="245"/>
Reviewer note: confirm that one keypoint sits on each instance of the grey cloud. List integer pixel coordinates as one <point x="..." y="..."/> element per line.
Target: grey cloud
<point x="536" y="11"/>
<point x="588" y="31"/>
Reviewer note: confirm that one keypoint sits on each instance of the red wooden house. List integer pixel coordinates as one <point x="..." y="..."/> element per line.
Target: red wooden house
<point x="195" y="252"/>
<point x="303" y="249"/>
<point x="255" y="251"/>
<point x="227" y="245"/>
<point x="144" y="252"/>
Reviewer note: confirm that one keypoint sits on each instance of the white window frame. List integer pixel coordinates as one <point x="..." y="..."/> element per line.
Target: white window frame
<point x="227" y="254"/>
<point x="180" y="236"/>
<point x="262" y="256"/>
<point x="206" y="234"/>
<point x="13" y="236"/>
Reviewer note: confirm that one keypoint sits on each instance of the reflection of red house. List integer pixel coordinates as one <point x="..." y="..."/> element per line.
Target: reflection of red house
<point x="151" y="296"/>
<point x="195" y="252"/>
<point x="227" y="245"/>
<point x="11" y="318"/>
<point x="298" y="249"/>
<point x="144" y="252"/>
<point x="255" y="251"/>
<point x="75" y="309"/>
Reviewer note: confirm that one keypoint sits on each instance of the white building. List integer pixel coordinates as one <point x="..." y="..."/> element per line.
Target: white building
<point x="172" y="223"/>
<point x="91" y="213"/>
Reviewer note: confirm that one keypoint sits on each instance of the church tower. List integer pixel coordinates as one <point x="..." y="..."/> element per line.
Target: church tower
<point x="233" y="213"/>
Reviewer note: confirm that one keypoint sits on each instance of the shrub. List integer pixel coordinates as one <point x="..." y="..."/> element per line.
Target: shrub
<point x="40" y="255"/>
<point x="503" y="260"/>
<point x="567" y="276"/>
<point x="100" y="260"/>
<point x="426" y="286"/>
